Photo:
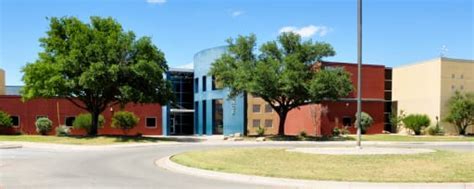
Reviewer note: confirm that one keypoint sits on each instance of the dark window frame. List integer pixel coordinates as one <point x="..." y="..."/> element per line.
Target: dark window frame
<point x="18" y="122"/>
<point x="266" y="121"/>
<point x="254" y="121"/>
<point x="344" y="121"/>
<point x="204" y="86"/>
<point x="65" y="120"/>
<point x="151" y="117"/>
<point x="259" y="108"/>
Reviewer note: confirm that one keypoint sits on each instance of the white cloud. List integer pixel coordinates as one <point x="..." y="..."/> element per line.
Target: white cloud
<point x="156" y="1"/>
<point x="237" y="13"/>
<point x="307" y="31"/>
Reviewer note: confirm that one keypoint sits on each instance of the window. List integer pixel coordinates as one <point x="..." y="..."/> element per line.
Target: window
<point x="69" y="120"/>
<point x="462" y="87"/>
<point x="41" y="116"/>
<point x="256" y="108"/>
<point x="346" y="121"/>
<point x="268" y="108"/>
<point x="268" y="123"/>
<point x="453" y="87"/>
<point x="453" y="76"/>
<point x="462" y="76"/>
<point x="196" y="83"/>
<point x="15" y="121"/>
<point x="204" y="117"/>
<point x="203" y="83"/>
<point x="150" y="122"/>
<point x="256" y="123"/>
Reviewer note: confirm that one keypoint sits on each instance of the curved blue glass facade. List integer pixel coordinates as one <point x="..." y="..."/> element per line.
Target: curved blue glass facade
<point x="230" y="116"/>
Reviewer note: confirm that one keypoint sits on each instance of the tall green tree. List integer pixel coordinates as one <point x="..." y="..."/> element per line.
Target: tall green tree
<point x="283" y="73"/>
<point x="95" y="65"/>
<point x="461" y="111"/>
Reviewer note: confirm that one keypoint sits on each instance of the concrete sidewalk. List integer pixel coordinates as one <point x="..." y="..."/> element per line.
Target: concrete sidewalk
<point x="166" y="163"/>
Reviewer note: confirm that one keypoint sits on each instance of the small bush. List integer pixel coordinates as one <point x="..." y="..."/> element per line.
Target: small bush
<point x="260" y="131"/>
<point x="5" y="120"/>
<point x="303" y="134"/>
<point x="336" y="131"/>
<point x="84" y="121"/>
<point x="416" y="122"/>
<point x="434" y="130"/>
<point x="63" y="130"/>
<point x="124" y="120"/>
<point x="43" y="125"/>
<point x="366" y="121"/>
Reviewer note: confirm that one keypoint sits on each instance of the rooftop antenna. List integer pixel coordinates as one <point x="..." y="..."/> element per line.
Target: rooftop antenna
<point x="444" y="50"/>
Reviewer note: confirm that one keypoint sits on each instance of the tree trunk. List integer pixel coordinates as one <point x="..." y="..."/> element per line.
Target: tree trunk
<point x="462" y="130"/>
<point x="95" y="123"/>
<point x="281" y="126"/>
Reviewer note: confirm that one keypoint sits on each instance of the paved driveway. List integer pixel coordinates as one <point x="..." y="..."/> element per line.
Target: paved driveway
<point x="127" y="167"/>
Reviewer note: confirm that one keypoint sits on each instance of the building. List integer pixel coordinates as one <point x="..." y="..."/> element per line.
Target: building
<point x="216" y="114"/>
<point x="2" y="82"/>
<point x="178" y="117"/>
<point x="425" y="87"/>
<point x="63" y="112"/>
<point x="202" y="107"/>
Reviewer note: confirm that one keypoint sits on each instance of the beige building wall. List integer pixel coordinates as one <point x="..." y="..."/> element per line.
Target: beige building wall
<point x="416" y="88"/>
<point x="258" y="115"/>
<point x="456" y="75"/>
<point x="426" y="87"/>
<point x="2" y="82"/>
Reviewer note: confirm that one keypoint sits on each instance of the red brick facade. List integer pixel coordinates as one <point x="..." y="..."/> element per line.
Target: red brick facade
<point x="322" y="119"/>
<point x="58" y="109"/>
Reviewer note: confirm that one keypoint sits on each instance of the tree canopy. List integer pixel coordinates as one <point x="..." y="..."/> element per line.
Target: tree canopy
<point x="461" y="111"/>
<point x="95" y="65"/>
<point x="283" y="73"/>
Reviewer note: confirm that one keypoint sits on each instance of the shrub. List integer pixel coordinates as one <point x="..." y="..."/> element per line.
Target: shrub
<point x="416" y="122"/>
<point x="260" y="131"/>
<point x="366" y="121"/>
<point x="336" y="131"/>
<point x="5" y="120"/>
<point x="303" y="134"/>
<point x="461" y="111"/>
<point x="339" y="131"/>
<point x="43" y="125"/>
<point x="62" y="130"/>
<point x="124" y="120"/>
<point x="434" y="130"/>
<point x="84" y="121"/>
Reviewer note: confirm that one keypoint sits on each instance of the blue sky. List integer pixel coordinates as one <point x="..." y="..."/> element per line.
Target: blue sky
<point x="396" y="32"/>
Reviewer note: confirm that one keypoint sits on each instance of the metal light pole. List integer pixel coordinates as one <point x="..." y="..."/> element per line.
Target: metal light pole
<point x="359" y="72"/>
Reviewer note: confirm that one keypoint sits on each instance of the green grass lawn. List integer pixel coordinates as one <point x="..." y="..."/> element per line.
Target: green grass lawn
<point x="376" y="137"/>
<point x="440" y="166"/>
<point x="99" y="140"/>
<point x="386" y="137"/>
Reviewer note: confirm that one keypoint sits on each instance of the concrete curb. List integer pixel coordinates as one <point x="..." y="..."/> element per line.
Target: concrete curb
<point x="166" y="163"/>
<point x="53" y="146"/>
<point x="10" y="146"/>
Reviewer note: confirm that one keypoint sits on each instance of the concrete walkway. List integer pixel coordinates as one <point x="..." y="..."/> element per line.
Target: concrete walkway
<point x="166" y="163"/>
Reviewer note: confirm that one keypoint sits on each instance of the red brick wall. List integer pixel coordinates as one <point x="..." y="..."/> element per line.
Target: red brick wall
<point x="373" y="80"/>
<point x="27" y="111"/>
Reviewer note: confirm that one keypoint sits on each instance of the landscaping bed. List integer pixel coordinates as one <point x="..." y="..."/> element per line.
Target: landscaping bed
<point x="439" y="166"/>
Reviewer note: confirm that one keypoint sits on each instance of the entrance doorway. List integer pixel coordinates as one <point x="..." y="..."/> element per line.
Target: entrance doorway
<point x="218" y="116"/>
